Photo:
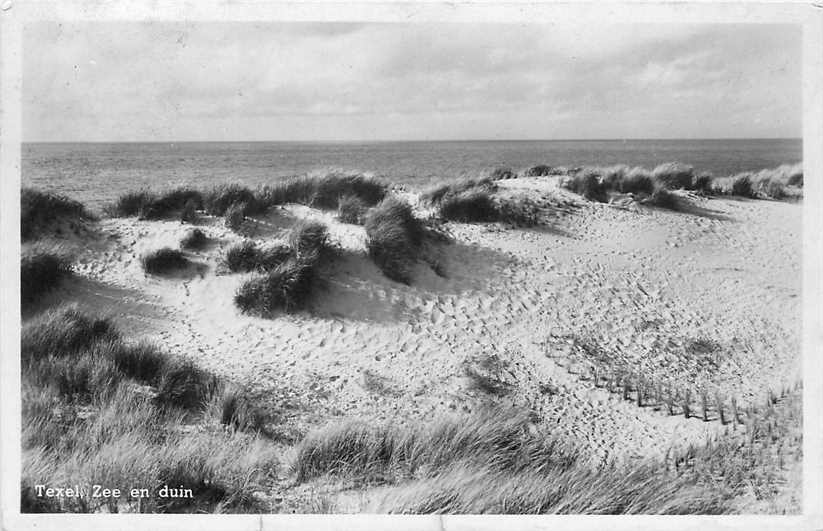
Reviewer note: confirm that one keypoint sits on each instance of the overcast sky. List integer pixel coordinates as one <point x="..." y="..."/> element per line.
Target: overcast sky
<point x="296" y="81"/>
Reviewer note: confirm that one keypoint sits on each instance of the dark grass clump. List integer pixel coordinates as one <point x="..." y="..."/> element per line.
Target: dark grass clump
<point x="189" y="212"/>
<point x="499" y="174"/>
<point x="474" y="205"/>
<point x="703" y="183"/>
<point x="434" y="195"/>
<point x="541" y="170"/>
<point x="636" y="181"/>
<point x="184" y="385"/>
<point x="41" y="212"/>
<point x="150" y="206"/>
<point x="288" y="287"/>
<point x="518" y="212"/>
<point x="238" y="412"/>
<point x="298" y="190"/>
<point x="394" y="238"/>
<point x="163" y="261"/>
<point x="351" y="209"/>
<point x="742" y="186"/>
<point x="772" y="189"/>
<point x="674" y="175"/>
<point x="41" y="272"/>
<point x="661" y="197"/>
<point x="130" y="204"/>
<point x="218" y="200"/>
<point x="795" y="178"/>
<point x="61" y="332"/>
<point x="497" y="438"/>
<point x="97" y="406"/>
<point x="309" y="239"/>
<point x="171" y="204"/>
<point x="330" y="188"/>
<point x="323" y="192"/>
<point x="588" y="184"/>
<point x="235" y="216"/>
<point x="195" y="239"/>
<point x="247" y="256"/>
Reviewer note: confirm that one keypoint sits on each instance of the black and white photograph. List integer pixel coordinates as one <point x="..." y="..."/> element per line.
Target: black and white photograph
<point x="409" y="265"/>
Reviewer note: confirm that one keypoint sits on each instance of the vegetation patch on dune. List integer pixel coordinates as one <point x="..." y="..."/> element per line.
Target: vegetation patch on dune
<point x="435" y="194"/>
<point x="474" y="201"/>
<point x="218" y="200"/>
<point x="235" y="216"/>
<point x="41" y="270"/>
<point x="287" y="287"/>
<point x="45" y="213"/>
<point x="385" y="453"/>
<point x="150" y="206"/>
<point x="651" y="187"/>
<point x="290" y="271"/>
<point x="324" y="191"/>
<point x="541" y="170"/>
<point x="163" y="261"/>
<point x="397" y="240"/>
<point x="351" y="209"/>
<point x="247" y="256"/>
<point x="195" y="239"/>
<point x="100" y="409"/>
<point x="499" y="462"/>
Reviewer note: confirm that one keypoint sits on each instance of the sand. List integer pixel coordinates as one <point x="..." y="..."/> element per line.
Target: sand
<point x="705" y="297"/>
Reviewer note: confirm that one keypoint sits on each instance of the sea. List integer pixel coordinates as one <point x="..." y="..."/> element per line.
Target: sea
<point x="96" y="173"/>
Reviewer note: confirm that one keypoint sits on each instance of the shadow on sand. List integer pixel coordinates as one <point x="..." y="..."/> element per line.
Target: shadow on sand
<point x="131" y="309"/>
<point x="355" y="288"/>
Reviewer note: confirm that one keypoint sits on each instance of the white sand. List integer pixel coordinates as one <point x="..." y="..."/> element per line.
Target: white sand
<point x="639" y="282"/>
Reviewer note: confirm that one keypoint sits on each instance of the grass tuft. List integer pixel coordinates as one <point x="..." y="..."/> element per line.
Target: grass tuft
<point x="742" y="186"/>
<point x="308" y="239"/>
<point x="287" y="287"/>
<point x="246" y="256"/>
<point x="163" y="261"/>
<point x="541" y="170"/>
<point x="323" y="192"/>
<point x="674" y="175"/>
<point x="394" y="238"/>
<point x="41" y="213"/>
<point x="218" y="200"/>
<point x="351" y="209"/>
<point x="97" y="409"/>
<point x="235" y="216"/>
<point x="436" y="194"/>
<point x="40" y="272"/>
<point x="195" y="239"/>
<point x="588" y="184"/>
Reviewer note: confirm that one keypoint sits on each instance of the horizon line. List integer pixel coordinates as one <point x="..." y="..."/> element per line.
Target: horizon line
<point x="372" y="141"/>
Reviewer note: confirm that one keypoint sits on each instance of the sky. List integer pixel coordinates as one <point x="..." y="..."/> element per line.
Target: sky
<point x="242" y="81"/>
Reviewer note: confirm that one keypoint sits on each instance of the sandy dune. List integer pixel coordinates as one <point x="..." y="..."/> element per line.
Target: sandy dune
<point x="706" y="297"/>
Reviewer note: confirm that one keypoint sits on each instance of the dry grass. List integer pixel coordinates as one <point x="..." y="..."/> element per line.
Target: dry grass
<point x="99" y="409"/>
<point x="43" y="213"/>
<point x="287" y="287"/>
<point x="42" y="268"/>
<point x="246" y="256"/>
<point x="351" y="209"/>
<point x="195" y="239"/>
<point x="397" y="240"/>
<point x="163" y="261"/>
<point x="150" y="206"/>
<point x="291" y="271"/>
<point x="323" y="191"/>
<point x="498" y="462"/>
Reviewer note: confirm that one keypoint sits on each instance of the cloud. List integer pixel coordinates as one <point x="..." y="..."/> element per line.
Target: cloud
<point x="131" y="81"/>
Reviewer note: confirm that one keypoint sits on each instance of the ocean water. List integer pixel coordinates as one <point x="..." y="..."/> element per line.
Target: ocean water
<point x="97" y="173"/>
